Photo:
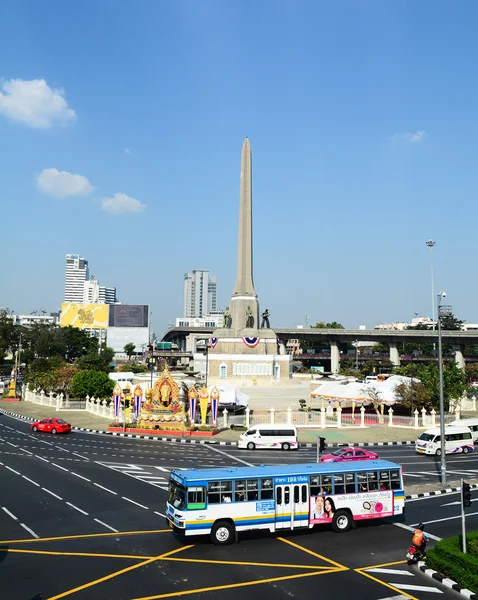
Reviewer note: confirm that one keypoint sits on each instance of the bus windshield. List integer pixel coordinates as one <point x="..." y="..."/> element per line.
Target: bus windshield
<point x="177" y="496"/>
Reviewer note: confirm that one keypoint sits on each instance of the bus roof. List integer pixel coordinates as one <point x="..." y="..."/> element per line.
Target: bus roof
<point x="190" y="475"/>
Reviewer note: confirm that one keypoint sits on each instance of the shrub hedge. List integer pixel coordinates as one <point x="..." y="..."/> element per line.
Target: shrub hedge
<point x="447" y="558"/>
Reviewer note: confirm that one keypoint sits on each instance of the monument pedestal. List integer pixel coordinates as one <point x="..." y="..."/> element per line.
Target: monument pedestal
<point x="246" y="357"/>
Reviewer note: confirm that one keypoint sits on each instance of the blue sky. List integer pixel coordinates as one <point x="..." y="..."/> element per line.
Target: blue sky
<point x="363" y="128"/>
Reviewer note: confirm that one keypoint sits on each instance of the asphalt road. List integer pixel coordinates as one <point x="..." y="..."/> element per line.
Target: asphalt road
<point x="82" y="516"/>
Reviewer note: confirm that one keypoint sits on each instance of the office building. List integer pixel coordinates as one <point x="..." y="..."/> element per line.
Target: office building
<point x="77" y="273"/>
<point x="200" y="294"/>
<point x="107" y="295"/>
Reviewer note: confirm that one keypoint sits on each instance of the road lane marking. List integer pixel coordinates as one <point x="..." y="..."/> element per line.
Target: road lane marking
<point x="88" y="535"/>
<point x="41" y="458"/>
<point x="10" y="514"/>
<point x="10" y="444"/>
<point x="62" y="449"/>
<point x="105" y="488"/>
<point x="449" y="519"/>
<point x="83" y="457"/>
<point x="390" y="571"/>
<point x="311" y="552"/>
<point x="160" y="514"/>
<point x="23" y="450"/>
<point x="417" y="588"/>
<point x="13" y="470"/>
<point x="364" y="571"/>
<point x="31" y="481"/>
<point x="411" y="528"/>
<point x="80" y="476"/>
<point x="133" y="502"/>
<point x="52" y="493"/>
<point x="76" y="508"/>
<point x="62" y="468"/>
<point x="30" y="530"/>
<point x="231" y="456"/>
<point x="106" y="525"/>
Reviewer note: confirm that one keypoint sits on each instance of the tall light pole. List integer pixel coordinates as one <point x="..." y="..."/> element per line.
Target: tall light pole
<point x="441" y="311"/>
<point x="431" y="244"/>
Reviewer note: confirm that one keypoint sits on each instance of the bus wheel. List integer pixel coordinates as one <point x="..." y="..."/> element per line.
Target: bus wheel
<point x="438" y="452"/>
<point x="251" y="446"/>
<point x="222" y="533"/>
<point x="465" y="449"/>
<point x="342" y="521"/>
<point x="285" y="446"/>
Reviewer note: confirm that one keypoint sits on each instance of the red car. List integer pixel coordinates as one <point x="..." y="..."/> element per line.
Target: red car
<point x="52" y="425"/>
<point x="348" y="453"/>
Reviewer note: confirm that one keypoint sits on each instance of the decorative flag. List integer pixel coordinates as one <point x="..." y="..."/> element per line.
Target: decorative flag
<point x="203" y="403"/>
<point x="213" y="341"/>
<point x="138" y="399"/>
<point x="278" y="345"/>
<point x="116" y="399"/>
<point x="192" y="397"/>
<point x="214" y="403"/>
<point x="251" y="342"/>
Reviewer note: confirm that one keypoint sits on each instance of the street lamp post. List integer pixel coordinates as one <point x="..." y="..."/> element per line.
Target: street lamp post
<point x="431" y="244"/>
<point x="207" y="360"/>
<point x="441" y="311"/>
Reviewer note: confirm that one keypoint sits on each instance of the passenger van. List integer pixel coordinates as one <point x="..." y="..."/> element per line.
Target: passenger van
<point x="471" y="424"/>
<point x="269" y="435"/>
<point x="457" y="439"/>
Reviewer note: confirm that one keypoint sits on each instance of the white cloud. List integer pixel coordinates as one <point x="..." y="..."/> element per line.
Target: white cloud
<point x="128" y="152"/>
<point x="34" y="103"/>
<point x="61" y="184"/>
<point x="410" y="137"/>
<point x="121" y="204"/>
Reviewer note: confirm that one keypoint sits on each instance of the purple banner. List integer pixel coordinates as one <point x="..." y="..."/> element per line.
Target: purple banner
<point x="214" y="407"/>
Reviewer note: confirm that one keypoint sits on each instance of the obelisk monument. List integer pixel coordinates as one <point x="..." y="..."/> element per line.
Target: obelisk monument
<point x="244" y="297"/>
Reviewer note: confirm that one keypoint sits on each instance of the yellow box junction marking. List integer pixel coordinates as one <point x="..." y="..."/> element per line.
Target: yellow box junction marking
<point x="362" y="570"/>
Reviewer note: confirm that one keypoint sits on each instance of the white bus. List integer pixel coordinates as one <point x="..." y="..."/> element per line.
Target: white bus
<point x="268" y="435"/>
<point x="457" y="439"/>
<point x="221" y="502"/>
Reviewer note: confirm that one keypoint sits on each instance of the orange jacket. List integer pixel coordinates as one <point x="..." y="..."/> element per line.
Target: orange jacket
<point x="417" y="539"/>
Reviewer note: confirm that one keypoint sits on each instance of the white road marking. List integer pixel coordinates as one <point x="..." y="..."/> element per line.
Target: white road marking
<point x="31" y="481"/>
<point x="417" y="588"/>
<point x="80" y="476"/>
<point x="9" y="513"/>
<point x="55" y="465"/>
<point x="160" y="514"/>
<point x="399" y="597"/>
<point x="41" y="458"/>
<point x="23" y="450"/>
<point x="52" y="493"/>
<point x="390" y="571"/>
<point x="83" y="457"/>
<point x="133" y="502"/>
<point x="411" y="528"/>
<point x="62" y="449"/>
<point x="13" y="470"/>
<point x="29" y="530"/>
<point x="231" y="456"/>
<point x="106" y="525"/>
<point x="412" y="475"/>
<point x="76" y="508"/>
<point x="10" y="444"/>
<point x="105" y="488"/>
<point x="450" y="519"/>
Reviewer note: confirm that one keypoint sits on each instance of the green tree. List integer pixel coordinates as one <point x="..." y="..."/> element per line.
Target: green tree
<point x="97" y="362"/>
<point x="450" y="323"/>
<point x="63" y="379"/>
<point x="92" y="383"/>
<point x="413" y="395"/>
<point x="324" y="325"/>
<point x="129" y="349"/>
<point x="76" y="342"/>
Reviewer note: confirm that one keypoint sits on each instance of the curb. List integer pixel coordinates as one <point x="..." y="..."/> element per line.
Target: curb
<point x="449" y="583"/>
<point x="438" y="493"/>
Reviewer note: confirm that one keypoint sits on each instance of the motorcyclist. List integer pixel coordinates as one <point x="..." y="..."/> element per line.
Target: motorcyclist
<point x="419" y="539"/>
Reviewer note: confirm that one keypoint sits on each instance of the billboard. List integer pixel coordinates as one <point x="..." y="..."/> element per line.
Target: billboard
<point x="84" y="316"/>
<point x="129" y="315"/>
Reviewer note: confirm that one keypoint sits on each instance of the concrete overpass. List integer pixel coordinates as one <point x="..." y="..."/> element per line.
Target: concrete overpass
<point x="187" y="337"/>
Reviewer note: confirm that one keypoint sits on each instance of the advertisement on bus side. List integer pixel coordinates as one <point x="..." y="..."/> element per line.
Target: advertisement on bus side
<point x="369" y="505"/>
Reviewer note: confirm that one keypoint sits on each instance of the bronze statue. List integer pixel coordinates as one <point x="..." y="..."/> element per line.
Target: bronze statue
<point x="249" y="318"/>
<point x="265" y="320"/>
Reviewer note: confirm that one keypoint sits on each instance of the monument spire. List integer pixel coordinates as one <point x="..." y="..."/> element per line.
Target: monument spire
<point x="244" y="295"/>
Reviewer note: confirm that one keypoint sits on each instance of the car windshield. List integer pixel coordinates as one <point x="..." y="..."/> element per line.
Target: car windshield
<point x="177" y="495"/>
<point x="338" y="452"/>
<point x="426" y="437"/>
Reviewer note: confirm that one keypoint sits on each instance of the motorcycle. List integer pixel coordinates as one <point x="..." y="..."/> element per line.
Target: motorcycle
<point x="414" y="555"/>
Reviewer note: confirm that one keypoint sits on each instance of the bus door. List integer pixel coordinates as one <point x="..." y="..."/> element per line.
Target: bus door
<point x="292" y="506"/>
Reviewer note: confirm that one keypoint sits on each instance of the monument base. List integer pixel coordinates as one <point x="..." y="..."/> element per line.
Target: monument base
<point x="245" y="357"/>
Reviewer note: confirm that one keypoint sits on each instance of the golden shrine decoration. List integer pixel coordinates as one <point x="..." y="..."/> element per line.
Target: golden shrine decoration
<point x="162" y="408"/>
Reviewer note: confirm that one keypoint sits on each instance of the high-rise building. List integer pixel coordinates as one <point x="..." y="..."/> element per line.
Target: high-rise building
<point x="107" y="295"/>
<point x="200" y="293"/>
<point x="77" y="273"/>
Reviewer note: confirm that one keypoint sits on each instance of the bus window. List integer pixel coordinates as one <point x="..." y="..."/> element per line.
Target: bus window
<point x="339" y="483"/>
<point x="267" y="489"/>
<point x="196" y="498"/>
<point x="252" y="489"/>
<point x="304" y="494"/>
<point x="286" y="495"/>
<point x="362" y="482"/>
<point x="326" y="484"/>
<point x="246" y="489"/>
<point x="395" y="480"/>
<point x="372" y="481"/>
<point x="349" y="483"/>
<point x="219" y="491"/>
<point x="384" y="480"/>
<point x="296" y="494"/>
<point x="315" y="485"/>
<point x="279" y="496"/>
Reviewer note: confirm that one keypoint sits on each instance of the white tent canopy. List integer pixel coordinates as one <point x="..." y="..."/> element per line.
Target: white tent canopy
<point x="360" y="392"/>
<point x="229" y="394"/>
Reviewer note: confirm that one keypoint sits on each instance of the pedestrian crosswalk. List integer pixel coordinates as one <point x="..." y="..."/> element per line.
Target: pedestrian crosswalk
<point x="401" y="578"/>
<point x="157" y="476"/>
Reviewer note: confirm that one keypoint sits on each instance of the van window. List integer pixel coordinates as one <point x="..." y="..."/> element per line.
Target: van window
<point x="426" y="437"/>
<point x="251" y="432"/>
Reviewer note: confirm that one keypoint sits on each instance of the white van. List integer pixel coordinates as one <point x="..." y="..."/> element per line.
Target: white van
<point x="457" y="439"/>
<point x="270" y="435"/>
<point x="471" y="424"/>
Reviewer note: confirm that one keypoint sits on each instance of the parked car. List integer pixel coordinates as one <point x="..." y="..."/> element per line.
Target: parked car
<point x="52" y="425"/>
<point x="348" y="453"/>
